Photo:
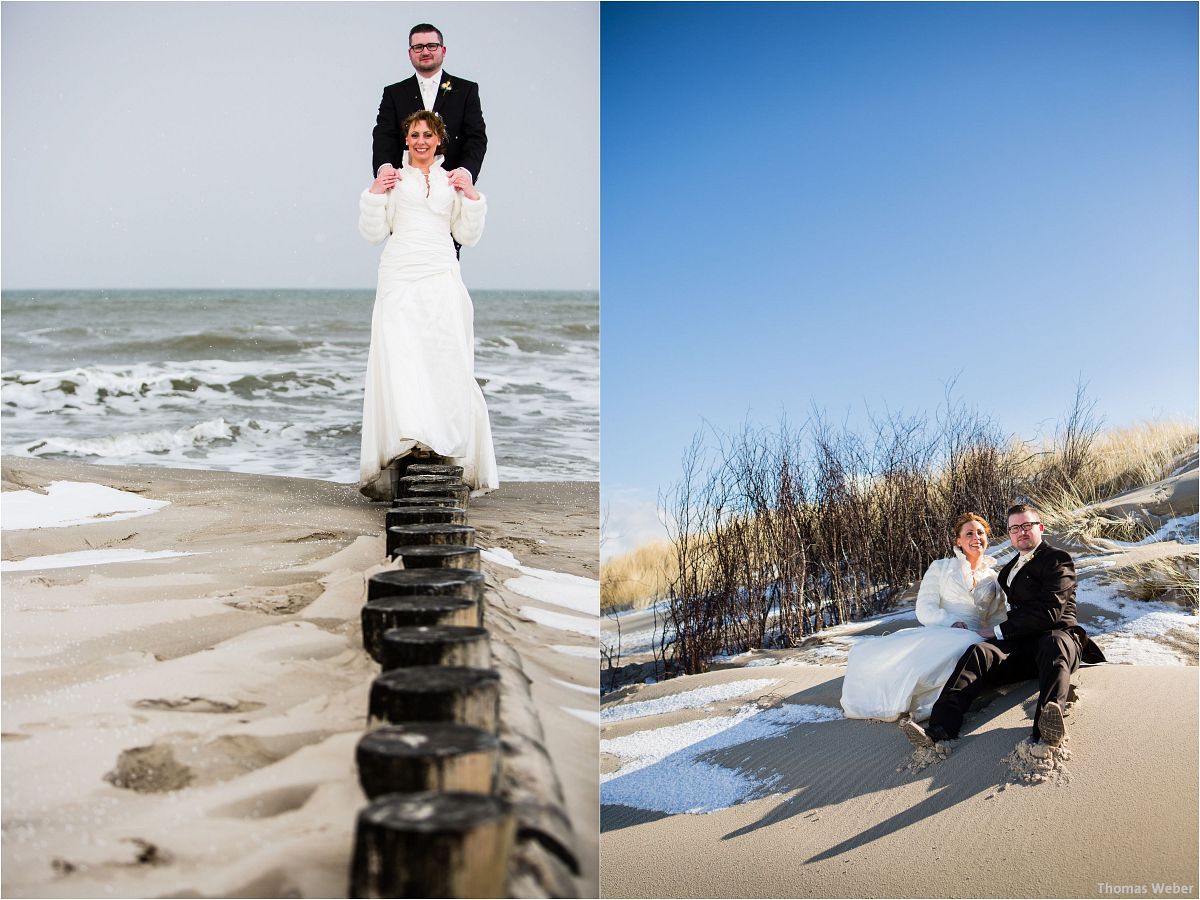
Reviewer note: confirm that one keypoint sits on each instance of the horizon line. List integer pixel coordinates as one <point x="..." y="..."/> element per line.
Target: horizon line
<point x="279" y="288"/>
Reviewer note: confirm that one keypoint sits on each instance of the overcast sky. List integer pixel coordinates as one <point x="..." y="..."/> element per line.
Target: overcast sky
<point x="225" y="144"/>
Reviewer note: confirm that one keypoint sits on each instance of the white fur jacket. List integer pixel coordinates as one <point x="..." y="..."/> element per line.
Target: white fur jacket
<point x="951" y="592"/>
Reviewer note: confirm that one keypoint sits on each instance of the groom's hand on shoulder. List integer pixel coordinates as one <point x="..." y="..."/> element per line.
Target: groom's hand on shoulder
<point x="460" y="179"/>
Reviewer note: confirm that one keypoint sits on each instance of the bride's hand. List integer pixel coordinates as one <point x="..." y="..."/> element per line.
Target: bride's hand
<point x="385" y="181"/>
<point x="460" y="179"/>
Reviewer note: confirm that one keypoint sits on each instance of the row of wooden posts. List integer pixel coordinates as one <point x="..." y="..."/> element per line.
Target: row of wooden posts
<point x="435" y="825"/>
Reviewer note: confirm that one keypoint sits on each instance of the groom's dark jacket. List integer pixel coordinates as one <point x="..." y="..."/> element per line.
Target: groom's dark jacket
<point x="457" y="103"/>
<point x="1042" y="598"/>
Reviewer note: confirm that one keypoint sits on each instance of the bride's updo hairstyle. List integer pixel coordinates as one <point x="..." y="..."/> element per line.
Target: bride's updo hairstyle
<point x="969" y="517"/>
<point x="433" y="120"/>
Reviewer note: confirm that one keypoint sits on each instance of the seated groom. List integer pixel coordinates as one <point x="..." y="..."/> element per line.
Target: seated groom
<point x="1041" y="639"/>
<point x="454" y="99"/>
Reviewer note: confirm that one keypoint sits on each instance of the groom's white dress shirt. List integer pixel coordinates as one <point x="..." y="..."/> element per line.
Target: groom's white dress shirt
<point x="429" y="88"/>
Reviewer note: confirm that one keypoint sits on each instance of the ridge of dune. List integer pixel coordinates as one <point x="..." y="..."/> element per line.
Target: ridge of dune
<point x="765" y="790"/>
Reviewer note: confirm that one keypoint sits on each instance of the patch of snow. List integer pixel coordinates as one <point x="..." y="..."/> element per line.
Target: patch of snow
<point x="637" y="642"/>
<point x="588" y="715"/>
<point x="568" y="650"/>
<point x="693" y="699"/>
<point x="664" y="772"/>
<point x="1140" y="651"/>
<point x="581" y="594"/>
<point x="68" y="503"/>
<point x="1183" y="529"/>
<point x="582" y="688"/>
<point x="500" y="557"/>
<point x="547" y="586"/>
<point x="1159" y="623"/>
<point x="589" y="627"/>
<point x="85" y="558"/>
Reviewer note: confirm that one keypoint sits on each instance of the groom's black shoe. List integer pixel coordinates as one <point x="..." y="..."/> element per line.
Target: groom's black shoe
<point x="1050" y="725"/>
<point x="923" y="737"/>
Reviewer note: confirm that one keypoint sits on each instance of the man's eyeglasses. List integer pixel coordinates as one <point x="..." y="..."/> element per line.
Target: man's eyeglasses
<point x="417" y="48"/>
<point x="1024" y="526"/>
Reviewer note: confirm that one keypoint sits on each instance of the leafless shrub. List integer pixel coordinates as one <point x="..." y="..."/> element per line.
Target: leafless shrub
<point x="779" y="534"/>
<point x="610" y="656"/>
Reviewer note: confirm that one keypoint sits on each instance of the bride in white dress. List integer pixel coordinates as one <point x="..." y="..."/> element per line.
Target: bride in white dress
<point x="903" y="673"/>
<point x="421" y="393"/>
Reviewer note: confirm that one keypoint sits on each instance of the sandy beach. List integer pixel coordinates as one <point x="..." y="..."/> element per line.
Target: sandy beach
<point x="180" y="711"/>
<point x="846" y="815"/>
<point x="747" y="781"/>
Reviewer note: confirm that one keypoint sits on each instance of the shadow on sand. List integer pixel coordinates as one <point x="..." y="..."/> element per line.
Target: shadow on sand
<point x="823" y="764"/>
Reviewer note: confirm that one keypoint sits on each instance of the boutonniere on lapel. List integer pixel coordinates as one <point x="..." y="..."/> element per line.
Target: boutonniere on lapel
<point x="447" y="86"/>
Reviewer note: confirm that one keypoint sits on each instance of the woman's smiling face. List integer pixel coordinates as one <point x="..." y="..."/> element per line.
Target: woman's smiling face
<point x="972" y="538"/>
<point x="422" y="142"/>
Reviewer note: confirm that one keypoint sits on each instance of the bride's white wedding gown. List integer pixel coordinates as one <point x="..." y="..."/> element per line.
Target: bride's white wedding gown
<point x="903" y="673"/>
<point x="421" y="392"/>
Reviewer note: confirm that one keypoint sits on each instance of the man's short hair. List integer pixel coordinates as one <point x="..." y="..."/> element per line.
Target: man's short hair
<point x="422" y="29"/>
<point x="1021" y="508"/>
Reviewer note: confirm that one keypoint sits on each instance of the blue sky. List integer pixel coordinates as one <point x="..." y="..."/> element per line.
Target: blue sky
<point x="853" y="204"/>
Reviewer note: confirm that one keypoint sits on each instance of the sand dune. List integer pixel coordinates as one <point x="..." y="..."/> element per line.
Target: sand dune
<point x="841" y="808"/>
<point x="746" y="781"/>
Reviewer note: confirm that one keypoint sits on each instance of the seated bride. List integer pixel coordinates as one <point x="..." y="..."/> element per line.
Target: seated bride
<point x="903" y="673"/>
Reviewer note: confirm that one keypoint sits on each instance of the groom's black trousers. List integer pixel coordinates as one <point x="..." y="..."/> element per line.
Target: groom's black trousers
<point x="1049" y="657"/>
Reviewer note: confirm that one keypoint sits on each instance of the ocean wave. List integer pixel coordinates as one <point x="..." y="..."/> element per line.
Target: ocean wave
<point x="55" y="335"/>
<point x="124" y="445"/>
<point x="176" y="379"/>
<point x="219" y="343"/>
<point x="123" y="386"/>
<point x="534" y="345"/>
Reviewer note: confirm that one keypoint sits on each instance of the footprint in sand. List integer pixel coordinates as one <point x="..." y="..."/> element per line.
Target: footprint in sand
<point x="275" y="601"/>
<point x="1038" y="764"/>
<point x="144" y="853"/>
<point x="267" y="804"/>
<point x="100" y="720"/>
<point x="198" y="704"/>
<point x="923" y="757"/>
<point x="184" y="759"/>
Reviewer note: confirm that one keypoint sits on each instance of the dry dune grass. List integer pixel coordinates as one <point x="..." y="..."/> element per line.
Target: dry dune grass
<point x="1065" y="476"/>
<point x="1112" y="461"/>
<point x="1170" y="578"/>
<point x="639" y="577"/>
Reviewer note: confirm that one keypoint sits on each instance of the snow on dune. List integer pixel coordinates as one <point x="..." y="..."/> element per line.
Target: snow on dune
<point x="663" y="770"/>
<point x="694" y="699"/>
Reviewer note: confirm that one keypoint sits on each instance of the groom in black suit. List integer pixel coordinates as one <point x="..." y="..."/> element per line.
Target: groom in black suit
<point x="1041" y="639"/>
<point x="454" y="99"/>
